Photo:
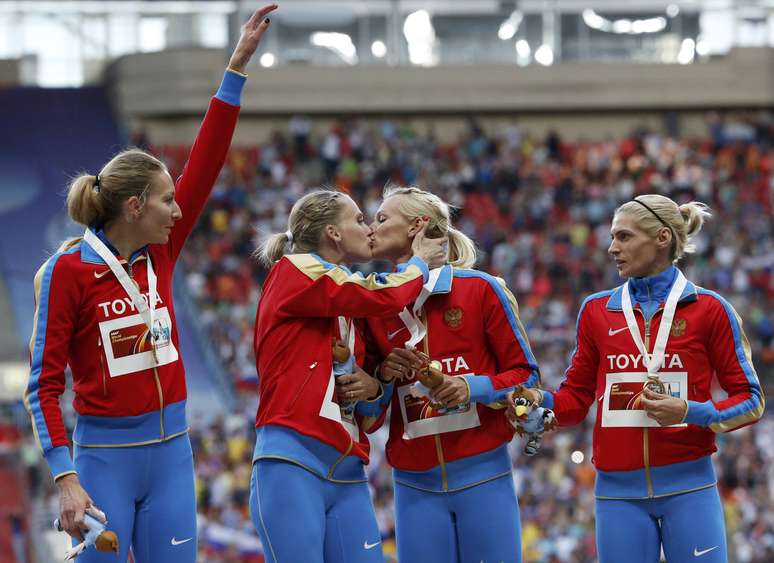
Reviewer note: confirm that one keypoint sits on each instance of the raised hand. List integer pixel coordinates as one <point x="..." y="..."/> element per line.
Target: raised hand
<point x="250" y="38"/>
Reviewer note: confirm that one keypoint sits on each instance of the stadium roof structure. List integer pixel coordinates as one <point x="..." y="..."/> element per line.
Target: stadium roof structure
<point x="82" y="36"/>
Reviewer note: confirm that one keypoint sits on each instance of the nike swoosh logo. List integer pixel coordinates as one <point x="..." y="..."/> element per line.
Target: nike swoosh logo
<point x="100" y="274"/>
<point x="392" y="334"/>
<point x="697" y="553"/>
<point x="611" y="332"/>
<point x="176" y="542"/>
<point x="367" y="545"/>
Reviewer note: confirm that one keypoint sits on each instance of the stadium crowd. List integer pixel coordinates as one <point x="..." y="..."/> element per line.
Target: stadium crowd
<point x="540" y="211"/>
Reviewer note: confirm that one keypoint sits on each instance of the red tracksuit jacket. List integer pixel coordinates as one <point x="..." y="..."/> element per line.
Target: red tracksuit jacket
<point x="706" y="343"/>
<point x="298" y="416"/>
<point x="474" y="330"/>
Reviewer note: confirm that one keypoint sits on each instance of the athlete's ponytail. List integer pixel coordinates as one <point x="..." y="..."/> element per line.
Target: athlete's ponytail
<point x="462" y="251"/>
<point x="273" y="248"/>
<point x="83" y="202"/>
<point x="694" y="213"/>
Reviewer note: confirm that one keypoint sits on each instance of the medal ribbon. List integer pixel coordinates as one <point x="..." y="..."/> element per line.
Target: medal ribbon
<point x="411" y="318"/>
<point x="653" y="361"/>
<point x="347" y="333"/>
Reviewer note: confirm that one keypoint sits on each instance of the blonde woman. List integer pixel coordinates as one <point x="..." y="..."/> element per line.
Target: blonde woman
<point x="104" y="307"/>
<point x="309" y="495"/>
<point x="648" y="355"/>
<point x="454" y="495"/>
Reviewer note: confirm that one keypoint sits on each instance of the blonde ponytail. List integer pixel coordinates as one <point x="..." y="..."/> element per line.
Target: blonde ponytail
<point x="83" y="202"/>
<point x="272" y="249"/>
<point x="462" y="250"/>
<point x="694" y="214"/>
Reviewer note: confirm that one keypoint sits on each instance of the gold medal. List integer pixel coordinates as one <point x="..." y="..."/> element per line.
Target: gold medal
<point x="655" y="384"/>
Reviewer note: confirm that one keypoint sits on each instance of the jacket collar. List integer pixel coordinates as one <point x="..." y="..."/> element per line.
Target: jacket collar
<point x="658" y="285"/>
<point x="88" y="254"/>
<point x="443" y="284"/>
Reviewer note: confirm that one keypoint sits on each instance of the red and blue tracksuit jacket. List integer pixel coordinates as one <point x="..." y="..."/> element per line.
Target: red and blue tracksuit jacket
<point x="84" y="319"/>
<point x="473" y="329"/>
<point x="299" y="417"/>
<point x="706" y="343"/>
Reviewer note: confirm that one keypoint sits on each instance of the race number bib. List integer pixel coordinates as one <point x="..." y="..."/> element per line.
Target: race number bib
<point x="420" y="419"/>
<point x="128" y="343"/>
<point x="621" y="406"/>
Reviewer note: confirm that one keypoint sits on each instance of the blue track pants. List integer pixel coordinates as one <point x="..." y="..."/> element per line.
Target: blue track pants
<point x="690" y="527"/>
<point x="477" y="524"/>
<point x="147" y="494"/>
<point x="303" y="518"/>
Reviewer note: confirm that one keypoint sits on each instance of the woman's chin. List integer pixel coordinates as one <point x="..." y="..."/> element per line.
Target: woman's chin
<point x="360" y="257"/>
<point x="161" y="239"/>
<point x="376" y="255"/>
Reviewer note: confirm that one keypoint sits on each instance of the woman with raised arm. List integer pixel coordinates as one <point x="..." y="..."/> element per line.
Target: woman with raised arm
<point x="104" y="307"/>
<point x="454" y="494"/>
<point x="648" y="354"/>
<point x="309" y="496"/>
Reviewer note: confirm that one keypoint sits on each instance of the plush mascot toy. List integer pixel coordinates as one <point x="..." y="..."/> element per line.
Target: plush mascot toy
<point x="96" y="534"/>
<point x="530" y="421"/>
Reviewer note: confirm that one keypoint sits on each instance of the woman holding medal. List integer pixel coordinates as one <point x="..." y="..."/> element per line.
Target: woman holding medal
<point x="454" y="494"/>
<point x="104" y="307"/>
<point x="309" y="497"/>
<point x="646" y="355"/>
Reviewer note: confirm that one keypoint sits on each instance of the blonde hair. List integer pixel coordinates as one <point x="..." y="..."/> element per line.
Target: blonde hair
<point x="308" y="217"/>
<point x="129" y="173"/>
<point x="685" y="220"/>
<point x="419" y="203"/>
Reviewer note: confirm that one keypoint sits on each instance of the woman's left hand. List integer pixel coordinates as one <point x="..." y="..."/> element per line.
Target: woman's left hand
<point x="357" y="386"/>
<point x="454" y="391"/>
<point x="251" y="36"/>
<point x="664" y="409"/>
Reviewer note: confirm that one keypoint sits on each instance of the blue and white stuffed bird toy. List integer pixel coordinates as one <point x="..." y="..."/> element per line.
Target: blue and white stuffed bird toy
<point x="96" y="534"/>
<point x="532" y="422"/>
